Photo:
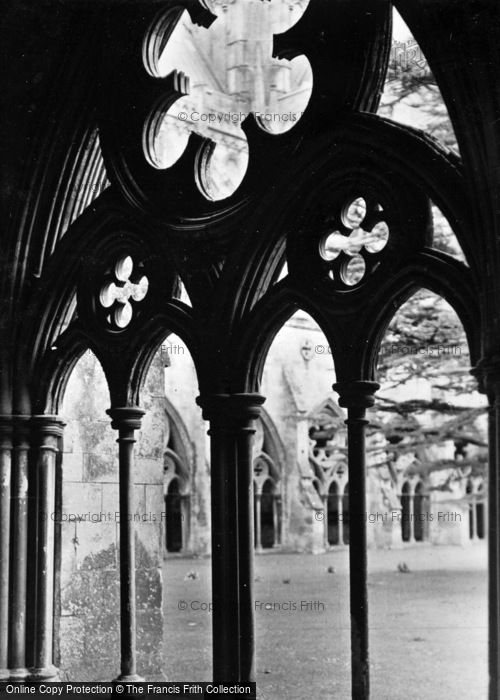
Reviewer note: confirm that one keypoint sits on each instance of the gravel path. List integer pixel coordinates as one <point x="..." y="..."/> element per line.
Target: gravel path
<point x="428" y="626"/>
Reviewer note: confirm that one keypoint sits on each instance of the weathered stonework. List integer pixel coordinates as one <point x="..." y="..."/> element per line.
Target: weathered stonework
<point x="89" y="623"/>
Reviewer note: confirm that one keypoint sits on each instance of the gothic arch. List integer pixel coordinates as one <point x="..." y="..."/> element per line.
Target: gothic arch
<point x="444" y="278"/>
<point x="177" y="482"/>
<point x="262" y="325"/>
<point x="273" y="442"/>
<point x="270" y="470"/>
<point x="426" y="166"/>
<point x="179" y="436"/>
<point x="432" y="171"/>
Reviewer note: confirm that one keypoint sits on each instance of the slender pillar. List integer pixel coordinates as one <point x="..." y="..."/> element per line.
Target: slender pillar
<point x="5" y="476"/>
<point x="340" y="500"/>
<point x="325" y="501"/>
<point x="357" y="396"/>
<point x="411" y="511"/>
<point x="258" y="522"/>
<point x="224" y="516"/>
<point x="232" y="426"/>
<point x="127" y="420"/>
<point x="488" y="374"/>
<point x="275" y="521"/>
<point x="278" y="501"/>
<point x="47" y="431"/>
<point x="472" y="516"/>
<point x="493" y="386"/>
<point x="185" y="520"/>
<point x="247" y="409"/>
<point x="19" y="543"/>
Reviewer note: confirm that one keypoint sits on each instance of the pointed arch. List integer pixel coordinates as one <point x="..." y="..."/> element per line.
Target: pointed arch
<point x="181" y="447"/>
<point x="273" y="444"/>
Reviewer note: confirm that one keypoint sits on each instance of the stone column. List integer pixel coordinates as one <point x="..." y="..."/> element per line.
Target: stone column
<point x="325" y="502"/>
<point x="411" y="512"/>
<point x="5" y="477"/>
<point x="340" y="506"/>
<point x="246" y="408"/>
<point x="126" y="421"/>
<point x="19" y="543"/>
<point x="357" y="396"/>
<point x="493" y="389"/>
<point x="232" y="426"/>
<point x="275" y="522"/>
<point x="258" y="534"/>
<point x="279" y="514"/>
<point x="224" y="498"/>
<point x="185" y="520"/>
<point x="472" y="516"/>
<point x="47" y="431"/>
<point x="488" y="374"/>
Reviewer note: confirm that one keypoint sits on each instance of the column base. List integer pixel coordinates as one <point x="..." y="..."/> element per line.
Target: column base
<point x="132" y="678"/>
<point x="124" y="680"/>
<point x="18" y="674"/>
<point x="47" y="673"/>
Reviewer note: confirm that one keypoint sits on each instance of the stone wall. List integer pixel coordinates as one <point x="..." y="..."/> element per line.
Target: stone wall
<point x="89" y="605"/>
<point x="298" y="377"/>
<point x="181" y="389"/>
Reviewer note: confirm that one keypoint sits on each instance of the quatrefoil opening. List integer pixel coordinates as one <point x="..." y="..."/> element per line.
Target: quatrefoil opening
<point x="227" y="72"/>
<point x="123" y="289"/>
<point x="363" y="232"/>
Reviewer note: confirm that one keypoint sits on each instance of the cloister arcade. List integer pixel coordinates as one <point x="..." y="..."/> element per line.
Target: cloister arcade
<point x="97" y="238"/>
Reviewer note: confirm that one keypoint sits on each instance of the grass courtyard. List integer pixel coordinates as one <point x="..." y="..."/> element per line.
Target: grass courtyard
<point x="428" y="627"/>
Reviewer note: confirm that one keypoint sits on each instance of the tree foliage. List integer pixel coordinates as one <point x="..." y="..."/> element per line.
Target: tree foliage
<point x="428" y="397"/>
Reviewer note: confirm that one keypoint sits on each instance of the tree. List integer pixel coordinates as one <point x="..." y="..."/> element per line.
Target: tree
<point x="427" y="397"/>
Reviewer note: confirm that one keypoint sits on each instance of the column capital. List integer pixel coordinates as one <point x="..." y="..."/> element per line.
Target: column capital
<point x="6" y="430"/>
<point x="18" y="426"/>
<point x="231" y="408"/>
<point x="356" y="394"/>
<point x="129" y="417"/>
<point x="22" y="429"/>
<point x="487" y="373"/>
<point x="47" y="425"/>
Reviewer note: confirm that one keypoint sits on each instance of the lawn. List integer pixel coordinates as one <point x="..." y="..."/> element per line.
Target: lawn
<point x="428" y="627"/>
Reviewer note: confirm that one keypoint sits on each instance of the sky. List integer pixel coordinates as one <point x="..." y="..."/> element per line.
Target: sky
<point x="400" y="30"/>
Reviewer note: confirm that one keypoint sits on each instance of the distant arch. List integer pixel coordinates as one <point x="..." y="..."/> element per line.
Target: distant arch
<point x="174" y="517"/>
<point x="267" y="484"/>
<point x="177" y="461"/>
<point x="267" y="514"/>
